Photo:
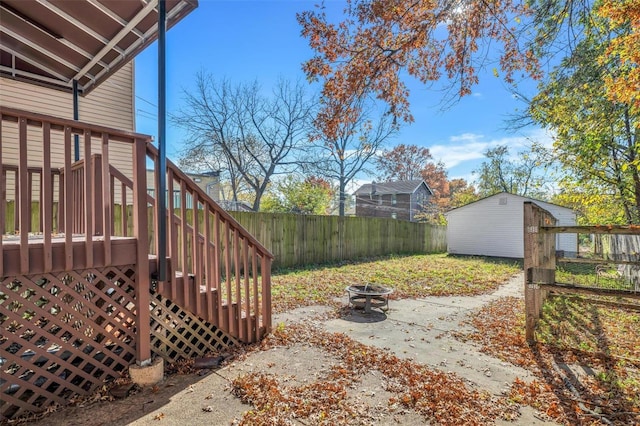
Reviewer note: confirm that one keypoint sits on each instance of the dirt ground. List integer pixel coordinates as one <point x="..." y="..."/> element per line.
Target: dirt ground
<point x="415" y="329"/>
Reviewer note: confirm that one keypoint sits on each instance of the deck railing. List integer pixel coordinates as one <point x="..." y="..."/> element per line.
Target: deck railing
<point x="36" y="150"/>
<point x="217" y="269"/>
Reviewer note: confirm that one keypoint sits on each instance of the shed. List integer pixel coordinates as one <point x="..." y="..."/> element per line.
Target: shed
<point x="494" y="226"/>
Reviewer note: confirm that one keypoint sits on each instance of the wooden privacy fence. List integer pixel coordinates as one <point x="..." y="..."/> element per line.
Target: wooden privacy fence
<point x="308" y="239"/>
<point x="613" y="272"/>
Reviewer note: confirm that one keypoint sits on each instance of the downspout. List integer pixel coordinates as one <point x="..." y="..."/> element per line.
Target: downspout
<point x="76" y="117"/>
<point x="162" y="178"/>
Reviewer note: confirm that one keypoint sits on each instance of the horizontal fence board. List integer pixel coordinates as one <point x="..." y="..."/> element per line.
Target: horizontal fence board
<point x="596" y="229"/>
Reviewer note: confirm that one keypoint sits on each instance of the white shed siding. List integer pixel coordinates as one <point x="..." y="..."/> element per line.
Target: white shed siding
<point x="494" y="227"/>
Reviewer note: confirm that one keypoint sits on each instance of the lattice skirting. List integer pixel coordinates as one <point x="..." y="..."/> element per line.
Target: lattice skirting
<point x="177" y="333"/>
<point x="63" y="334"/>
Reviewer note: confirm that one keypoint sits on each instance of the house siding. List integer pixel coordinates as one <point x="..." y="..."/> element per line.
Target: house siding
<point x="381" y="205"/>
<point x="494" y="226"/>
<point x="111" y="104"/>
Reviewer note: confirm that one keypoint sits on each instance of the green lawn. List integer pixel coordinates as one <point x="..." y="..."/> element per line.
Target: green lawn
<point x="409" y="276"/>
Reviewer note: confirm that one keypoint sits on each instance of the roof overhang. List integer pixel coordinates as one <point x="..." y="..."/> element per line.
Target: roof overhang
<point x="54" y="42"/>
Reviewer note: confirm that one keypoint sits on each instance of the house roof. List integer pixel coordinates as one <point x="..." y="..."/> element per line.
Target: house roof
<point x="395" y="187"/>
<point x="502" y="194"/>
<point x="54" y="42"/>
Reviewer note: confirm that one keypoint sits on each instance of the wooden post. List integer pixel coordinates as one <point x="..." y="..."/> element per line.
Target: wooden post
<point x="68" y="200"/>
<point x="141" y="233"/>
<point x="539" y="263"/>
<point x="266" y="293"/>
<point x="97" y="190"/>
<point x="107" y="208"/>
<point x="23" y="196"/>
<point x="46" y="195"/>
<point x="3" y="203"/>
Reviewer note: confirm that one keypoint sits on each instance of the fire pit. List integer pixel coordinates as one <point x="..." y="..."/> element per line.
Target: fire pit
<point x="369" y="296"/>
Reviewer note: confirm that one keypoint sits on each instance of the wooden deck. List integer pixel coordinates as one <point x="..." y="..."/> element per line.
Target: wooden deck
<point x="78" y="246"/>
<point x="123" y="251"/>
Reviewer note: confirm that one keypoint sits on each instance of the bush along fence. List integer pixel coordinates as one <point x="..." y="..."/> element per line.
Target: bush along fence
<point x="306" y="239"/>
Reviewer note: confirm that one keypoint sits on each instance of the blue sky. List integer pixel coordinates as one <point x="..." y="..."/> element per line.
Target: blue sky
<point x="246" y="40"/>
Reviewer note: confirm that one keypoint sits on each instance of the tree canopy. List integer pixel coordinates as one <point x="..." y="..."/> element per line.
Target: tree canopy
<point x="380" y="41"/>
<point x="597" y="136"/>
<point x="311" y="195"/>
<point x="623" y="21"/>
<point x="523" y="174"/>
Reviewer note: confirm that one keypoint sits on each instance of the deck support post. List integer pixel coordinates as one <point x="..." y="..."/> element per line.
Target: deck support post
<point x="161" y="197"/>
<point x="141" y="232"/>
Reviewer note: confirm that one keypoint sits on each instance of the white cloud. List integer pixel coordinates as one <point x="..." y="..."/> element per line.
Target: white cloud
<point x="470" y="146"/>
<point x="466" y="137"/>
<point x="451" y="156"/>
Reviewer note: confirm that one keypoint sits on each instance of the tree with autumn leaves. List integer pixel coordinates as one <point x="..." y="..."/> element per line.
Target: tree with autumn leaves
<point x="381" y="42"/>
<point x="597" y="133"/>
<point x="623" y="85"/>
<point x="411" y="162"/>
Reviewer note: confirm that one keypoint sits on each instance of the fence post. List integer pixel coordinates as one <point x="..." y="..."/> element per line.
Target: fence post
<point x="539" y="263"/>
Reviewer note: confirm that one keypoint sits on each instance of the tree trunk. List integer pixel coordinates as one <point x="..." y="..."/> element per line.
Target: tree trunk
<point x="342" y="197"/>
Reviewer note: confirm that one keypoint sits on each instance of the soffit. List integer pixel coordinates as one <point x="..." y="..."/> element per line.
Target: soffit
<point x="55" y="42"/>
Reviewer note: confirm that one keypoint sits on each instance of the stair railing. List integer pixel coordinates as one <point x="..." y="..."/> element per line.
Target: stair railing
<point x="218" y="269"/>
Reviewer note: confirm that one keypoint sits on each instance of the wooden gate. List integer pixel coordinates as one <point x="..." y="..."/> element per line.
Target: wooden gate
<point x="616" y="274"/>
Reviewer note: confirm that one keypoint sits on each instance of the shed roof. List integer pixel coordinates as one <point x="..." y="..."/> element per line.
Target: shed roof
<point x="502" y="194"/>
<point x="54" y="42"/>
<point x="395" y="187"/>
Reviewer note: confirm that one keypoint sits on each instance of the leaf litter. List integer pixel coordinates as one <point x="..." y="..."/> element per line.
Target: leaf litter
<point x="586" y="358"/>
<point x="439" y="397"/>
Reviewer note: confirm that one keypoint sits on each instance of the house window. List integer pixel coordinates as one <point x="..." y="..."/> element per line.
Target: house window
<point x="394" y="200"/>
<point x="380" y="200"/>
<point x="394" y="215"/>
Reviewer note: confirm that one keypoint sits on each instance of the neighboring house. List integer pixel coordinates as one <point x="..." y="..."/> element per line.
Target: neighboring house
<point x="494" y="226"/>
<point x="209" y="182"/>
<point x="397" y="200"/>
<point x="235" y="206"/>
